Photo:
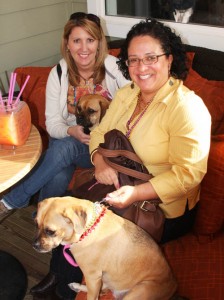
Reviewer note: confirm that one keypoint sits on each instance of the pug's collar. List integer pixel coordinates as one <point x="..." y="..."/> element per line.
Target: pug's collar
<point x="98" y="212"/>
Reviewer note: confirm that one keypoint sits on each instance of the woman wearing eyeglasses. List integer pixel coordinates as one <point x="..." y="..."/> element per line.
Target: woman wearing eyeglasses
<point x="86" y="68"/>
<point x="166" y="123"/>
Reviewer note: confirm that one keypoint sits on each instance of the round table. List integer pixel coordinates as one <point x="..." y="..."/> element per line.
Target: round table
<point x="16" y="163"/>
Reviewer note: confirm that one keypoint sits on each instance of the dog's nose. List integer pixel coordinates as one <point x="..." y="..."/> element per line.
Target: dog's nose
<point x="80" y="118"/>
<point x="36" y="244"/>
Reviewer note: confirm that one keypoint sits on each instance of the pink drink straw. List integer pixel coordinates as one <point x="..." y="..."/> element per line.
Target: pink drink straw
<point x="23" y="87"/>
<point x="1" y="100"/>
<point x="10" y="89"/>
<point x="13" y="87"/>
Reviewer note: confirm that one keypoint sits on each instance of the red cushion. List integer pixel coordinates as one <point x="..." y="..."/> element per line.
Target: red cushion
<point x="34" y="95"/>
<point x="211" y="93"/>
<point x="114" y="52"/>
<point x="199" y="268"/>
<point x="190" y="58"/>
<point x="210" y="216"/>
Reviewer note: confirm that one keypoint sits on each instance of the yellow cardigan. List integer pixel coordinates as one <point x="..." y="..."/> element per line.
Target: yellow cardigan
<point x="172" y="139"/>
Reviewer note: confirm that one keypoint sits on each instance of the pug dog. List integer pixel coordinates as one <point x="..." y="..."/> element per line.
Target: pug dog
<point x="112" y="252"/>
<point x="90" y="110"/>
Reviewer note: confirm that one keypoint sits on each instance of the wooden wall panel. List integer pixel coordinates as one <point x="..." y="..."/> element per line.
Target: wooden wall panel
<point x="11" y="6"/>
<point x="31" y="30"/>
<point x="33" y="22"/>
<point x="79" y="5"/>
<point x="33" y="49"/>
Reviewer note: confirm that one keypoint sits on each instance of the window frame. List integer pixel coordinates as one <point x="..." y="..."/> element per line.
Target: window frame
<point x="211" y="37"/>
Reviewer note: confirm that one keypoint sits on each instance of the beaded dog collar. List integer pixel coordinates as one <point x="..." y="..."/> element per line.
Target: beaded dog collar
<point x="98" y="213"/>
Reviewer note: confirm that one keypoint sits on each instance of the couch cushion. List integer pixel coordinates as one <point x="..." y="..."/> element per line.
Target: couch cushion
<point x="199" y="268"/>
<point x="190" y="58"/>
<point x="212" y="94"/>
<point x="34" y="95"/>
<point x="208" y="63"/>
<point x="114" y="51"/>
<point x="210" y="216"/>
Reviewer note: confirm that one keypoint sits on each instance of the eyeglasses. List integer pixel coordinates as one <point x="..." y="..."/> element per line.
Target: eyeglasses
<point x="82" y="15"/>
<point x="147" y="60"/>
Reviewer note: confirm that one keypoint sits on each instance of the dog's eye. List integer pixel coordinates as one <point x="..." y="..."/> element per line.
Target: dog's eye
<point x="49" y="232"/>
<point x="91" y="111"/>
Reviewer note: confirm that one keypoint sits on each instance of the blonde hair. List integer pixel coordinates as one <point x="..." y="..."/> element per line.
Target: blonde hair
<point x="96" y="32"/>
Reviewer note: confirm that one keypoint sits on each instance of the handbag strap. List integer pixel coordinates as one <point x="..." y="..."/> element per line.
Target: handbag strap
<point x="115" y="153"/>
<point x="127" y="171"/>
<point x="106" y="153"/>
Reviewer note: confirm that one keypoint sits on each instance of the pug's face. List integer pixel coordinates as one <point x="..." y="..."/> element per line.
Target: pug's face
<point x="59" y="221"/>
<point x="90" y="110"/>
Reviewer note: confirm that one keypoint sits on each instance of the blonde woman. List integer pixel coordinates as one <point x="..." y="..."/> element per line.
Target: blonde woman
<point x="86" y="68"/>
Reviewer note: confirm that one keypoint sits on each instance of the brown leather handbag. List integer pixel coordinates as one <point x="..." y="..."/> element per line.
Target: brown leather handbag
<point x="118" y="152"/>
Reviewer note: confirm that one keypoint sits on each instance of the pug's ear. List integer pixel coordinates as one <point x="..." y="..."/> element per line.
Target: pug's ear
<point x="42" y="207"/>
<point x="104" y="104"/>
<point x="77" y="216"/>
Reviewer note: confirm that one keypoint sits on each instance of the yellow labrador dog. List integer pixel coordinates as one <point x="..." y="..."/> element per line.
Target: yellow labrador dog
<point x="112" y="252"/>
<point x="90" y="110"/>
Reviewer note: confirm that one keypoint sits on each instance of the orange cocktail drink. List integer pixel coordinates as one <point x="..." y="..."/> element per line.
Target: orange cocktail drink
<point x="15" y="123"/>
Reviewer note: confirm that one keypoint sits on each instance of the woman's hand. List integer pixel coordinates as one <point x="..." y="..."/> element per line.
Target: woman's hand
<point x="78" y="133"/>
<point x="103" y="173"/>
<point x="126" y="195"/>
<point x="122" y="197"/>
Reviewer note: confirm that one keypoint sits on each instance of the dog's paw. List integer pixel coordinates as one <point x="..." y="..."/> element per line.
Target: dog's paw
<point x="77" y="287"/>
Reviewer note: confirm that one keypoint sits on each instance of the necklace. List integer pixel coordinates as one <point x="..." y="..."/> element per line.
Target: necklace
<point x="140" y="114"/>
<point x="86" y="80"/>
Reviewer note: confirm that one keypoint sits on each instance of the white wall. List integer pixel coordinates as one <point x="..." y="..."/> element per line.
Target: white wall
<point x="31" y="30"/>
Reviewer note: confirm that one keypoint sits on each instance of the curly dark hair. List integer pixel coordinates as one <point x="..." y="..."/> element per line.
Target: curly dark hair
<point x="170" y="43"/>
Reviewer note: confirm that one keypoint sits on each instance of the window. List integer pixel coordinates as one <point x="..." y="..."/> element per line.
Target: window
<point x="119" y="15"/>
<point x="182" y="11"/>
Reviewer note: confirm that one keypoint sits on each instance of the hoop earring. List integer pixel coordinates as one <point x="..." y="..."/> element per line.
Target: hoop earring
<point x="132" y="85"/>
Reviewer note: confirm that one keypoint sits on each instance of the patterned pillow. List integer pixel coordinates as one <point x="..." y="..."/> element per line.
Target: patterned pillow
<point x="34" y="95"/>
<point x="210" y="217"/>
<point x="199" y="268"/>
<point x="211" y="92"/>
<point x="114" y="51"/>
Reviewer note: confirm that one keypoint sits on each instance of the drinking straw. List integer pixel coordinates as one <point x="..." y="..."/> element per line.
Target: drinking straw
<point x="23" y="87"/>
<point x="10" y="89"/>
<point x="1" y="100"/>
<point x="2" y="87"/>
<point x="13" y="87"/>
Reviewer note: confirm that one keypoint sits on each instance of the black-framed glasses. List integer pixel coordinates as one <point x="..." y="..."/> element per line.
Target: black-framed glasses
<point x="147" y="60"/>
<point x="82" y="15"/>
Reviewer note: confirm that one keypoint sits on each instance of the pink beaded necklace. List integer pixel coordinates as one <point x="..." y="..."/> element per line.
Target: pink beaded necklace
<point x="130" y="129"/>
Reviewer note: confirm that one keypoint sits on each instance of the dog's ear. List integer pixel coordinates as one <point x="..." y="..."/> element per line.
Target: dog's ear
<point x="77" y="216"/>
<point x="43" y="207"/>
<point x="45" y="203"/>
<point x="104" y="104"/>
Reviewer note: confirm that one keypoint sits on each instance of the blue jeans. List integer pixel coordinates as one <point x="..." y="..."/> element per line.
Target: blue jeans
<point x="53" y="172"/>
